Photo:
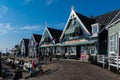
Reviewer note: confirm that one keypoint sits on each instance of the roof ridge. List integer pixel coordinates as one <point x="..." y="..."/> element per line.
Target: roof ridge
<point x="114" y="17"/>
<point x="26" y="39"/>
<point x="81" y="14"/>
<point x="54" y="28"/>
<point x="36" y="34"/>
<point x="107" y="13"/>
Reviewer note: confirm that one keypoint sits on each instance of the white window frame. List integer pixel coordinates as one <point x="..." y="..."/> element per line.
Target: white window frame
<point x="114" y="40"/>
<point x="95" y="25"/>
<point x="73" y="50"/>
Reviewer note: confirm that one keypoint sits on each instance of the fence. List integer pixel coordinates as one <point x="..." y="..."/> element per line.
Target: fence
<point x="102" y="59"/>
<point x="114" y="62"/>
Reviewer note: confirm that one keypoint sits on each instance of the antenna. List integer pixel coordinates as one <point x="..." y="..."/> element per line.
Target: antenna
<point x="72" y="7"/>
<point x="46" y="25"/>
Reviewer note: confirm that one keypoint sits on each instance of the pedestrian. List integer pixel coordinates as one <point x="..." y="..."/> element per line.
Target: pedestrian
<point x="30" y="69"/>
<point x="33" y="64"/>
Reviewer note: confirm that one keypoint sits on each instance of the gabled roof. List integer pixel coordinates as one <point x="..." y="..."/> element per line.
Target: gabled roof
<point x="105" y="19"/>
<point x="83" y="20"/>
<point x="86" y="21"/>
<point x="26" y="41"/>
<point x="55" y="33"/>
<point x="37" y="37"/>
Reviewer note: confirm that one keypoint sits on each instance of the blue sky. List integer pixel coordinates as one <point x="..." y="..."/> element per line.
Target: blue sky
<point x="20" y="18"/>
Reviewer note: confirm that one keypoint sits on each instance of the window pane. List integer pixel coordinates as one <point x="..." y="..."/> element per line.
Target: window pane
<point x="94" y="29"/>
<point x="113" y="42"/>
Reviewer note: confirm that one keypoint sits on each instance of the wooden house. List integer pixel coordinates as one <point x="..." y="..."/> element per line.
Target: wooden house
<point x="33" y="45"/>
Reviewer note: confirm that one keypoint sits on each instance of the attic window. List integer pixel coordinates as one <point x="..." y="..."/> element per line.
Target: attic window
<point x="47" y="39"/>
<point x="78" y="31"/>
<point x="72" y="16"/>
<point x="95" y="28"/>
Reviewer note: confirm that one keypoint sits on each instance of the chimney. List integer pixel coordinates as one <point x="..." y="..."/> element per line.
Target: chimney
<point x="91" y="16"/>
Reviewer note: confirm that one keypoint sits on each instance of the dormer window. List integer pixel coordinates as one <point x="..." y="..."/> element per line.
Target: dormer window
<point x="72" y="16"/>
<point x="95" y="29"/>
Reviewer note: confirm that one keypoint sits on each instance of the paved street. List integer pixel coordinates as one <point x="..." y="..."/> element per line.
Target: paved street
<point x="75" y="70"/>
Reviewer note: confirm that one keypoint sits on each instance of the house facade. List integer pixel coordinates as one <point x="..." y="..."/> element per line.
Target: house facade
<point x="79" y="36"/>
<point x="33" y="45"/>
<point x="24" y="47"/>
<point x="114" y="36"/>
<point x="103" y="21"/>
<point x="49" y="40"/>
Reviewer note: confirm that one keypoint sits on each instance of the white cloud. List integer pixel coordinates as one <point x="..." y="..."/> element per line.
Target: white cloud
<point x="33" y="27"/>
<point x="4" y="28"/>
<point x="3" y="10"/>
<point x="49" y="2"/>
<point x="60" y="24"/>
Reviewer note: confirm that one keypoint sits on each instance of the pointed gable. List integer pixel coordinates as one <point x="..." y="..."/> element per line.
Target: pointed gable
<point x="37" y="37"/>
<point x="84" y="21"/>
<point x="26" y="42"/>
<point x="55" y="33"/>
<point x="45" y="35"/>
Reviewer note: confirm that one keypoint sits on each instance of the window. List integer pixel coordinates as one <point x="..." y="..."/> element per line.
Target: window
<point x="113" y="43"/>
<point x="93" y="49"/>
<point x="47" y="39"/>
<point x="78" y="31"/>
<point x="72" y="49"/>
<point x="95" y="28"/>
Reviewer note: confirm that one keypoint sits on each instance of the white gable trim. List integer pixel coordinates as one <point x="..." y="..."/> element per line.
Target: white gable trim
<point x="21" y="42"/>
<point x="50" y="35"/>
<point x="114" y="18"/>
<point x="31" y="39"/>
<point x="82" y="24"/>
<point x="73" y="12"/>
<point x="66" y="25"/>
<point x="46" y="29"/>
<point x="112" y="24"/>
<point x="43" y="35"/>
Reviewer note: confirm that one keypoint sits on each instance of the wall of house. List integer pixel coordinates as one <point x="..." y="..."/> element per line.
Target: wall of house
<point x="22" y="47"/>
<point x="115" y="29"/>
<point x="31" y="47"/>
